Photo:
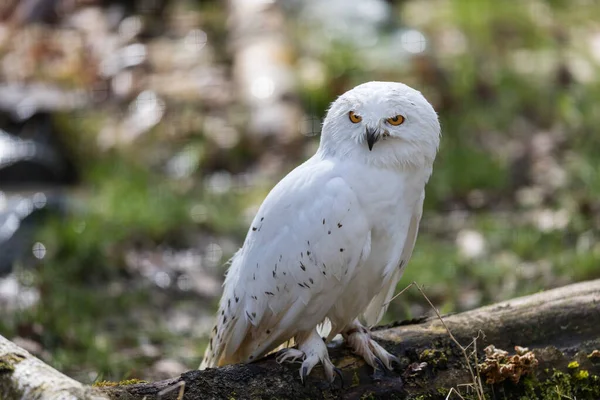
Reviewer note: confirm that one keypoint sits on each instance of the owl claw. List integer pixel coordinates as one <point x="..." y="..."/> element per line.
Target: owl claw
<point x="338" y="372"/>
<point x="380" y="364"/>
<point x="361" y="343"/>
<point x="315" y="352"/>
<point x="290" y="355"/>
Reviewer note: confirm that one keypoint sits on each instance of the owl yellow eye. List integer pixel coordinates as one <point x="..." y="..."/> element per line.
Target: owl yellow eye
<point x="397" y="120"/>
<point x="354" y="118"/>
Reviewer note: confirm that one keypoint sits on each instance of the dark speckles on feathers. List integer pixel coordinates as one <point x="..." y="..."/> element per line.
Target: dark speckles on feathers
<point x="253" y="277"/>
<point x="340" y="225"/>
<point x="301" y="284"/>
<point x="302" y="266"/>
<point x="284" y="273"/>
<point x="254" y="297"/>
<point x="323" y="221"/>
<point x="329" y="232"/>
<point x="280" y="257"/>
<point x="270" y="293"/>
<point x="253" y="315"/>
<point x="307" y="253"/>
<point x="401" y="264"/>
<point x="254" y="228"/>
<point x="301" y="254"/>
<point x="274" y="274"/>
<point x="249" y="316"/>
<point x="228" y="303"/>
<point x="222" y="312"/>
<point x="311" y="280"/>
<point x="224" y="319"/>
<point x="341" y="250"/>
<point x="324" y="273"/>
<point x="268" y="331"/>
<point x="262" y="219"/>
<point x="237" y="299"/>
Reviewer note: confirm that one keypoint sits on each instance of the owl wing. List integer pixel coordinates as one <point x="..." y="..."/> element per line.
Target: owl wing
<point x="379" y="305"/>
<point x="301" y="251"/>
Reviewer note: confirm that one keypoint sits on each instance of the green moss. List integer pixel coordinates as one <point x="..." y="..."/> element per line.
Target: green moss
<point x="582" y="374"/>
<point x="8" y="361"/>
<point x="121" y="383"/>
<point x="131" y="382"/>
<point x="6" y="367"/>
<point x="105" y="384"/>
<point x="355" y="379"/>
<point x="563" y="385"/>
<point x="434" y="357"/>
<point x="573" y="365"/>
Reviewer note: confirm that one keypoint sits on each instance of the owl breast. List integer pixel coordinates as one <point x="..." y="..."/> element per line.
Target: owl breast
<point x="390" y="217"/>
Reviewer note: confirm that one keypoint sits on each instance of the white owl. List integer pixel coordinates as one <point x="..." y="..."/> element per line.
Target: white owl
<point x="332" y="239"/>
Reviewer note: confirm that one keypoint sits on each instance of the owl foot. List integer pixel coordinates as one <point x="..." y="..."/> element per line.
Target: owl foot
<point x="289" y="355"/>
<point x="359" y="339"/>
<point x="312" y="350"/>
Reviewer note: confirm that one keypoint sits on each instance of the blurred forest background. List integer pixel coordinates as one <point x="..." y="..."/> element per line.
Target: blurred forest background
<point x="139" y="137"/>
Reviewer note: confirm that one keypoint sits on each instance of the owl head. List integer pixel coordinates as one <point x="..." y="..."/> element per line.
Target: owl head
<point x="387" y="124"/>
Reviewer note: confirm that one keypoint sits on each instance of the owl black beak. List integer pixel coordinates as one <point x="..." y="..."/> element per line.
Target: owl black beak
<point x="372" y="136"/>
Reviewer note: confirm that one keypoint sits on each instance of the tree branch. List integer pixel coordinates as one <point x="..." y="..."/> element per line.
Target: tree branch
<point x="561" y="326"/>
<point x="23" y="376"/>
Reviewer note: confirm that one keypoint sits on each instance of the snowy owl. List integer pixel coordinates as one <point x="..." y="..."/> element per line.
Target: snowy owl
<point x="332" y="238"/>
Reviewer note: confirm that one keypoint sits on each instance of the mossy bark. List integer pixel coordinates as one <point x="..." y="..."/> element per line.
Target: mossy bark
<point x="23" y="376"/>
<point x="560" y="326"/>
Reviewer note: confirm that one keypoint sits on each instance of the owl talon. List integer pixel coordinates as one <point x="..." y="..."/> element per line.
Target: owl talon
<point x="393" y="359"/>
<point x="359" y="339"/>
<point x="290" y="355"/>
<point x="380" y="364"/>
<point x="316" y="353"/>
<point x="338" y="372"/>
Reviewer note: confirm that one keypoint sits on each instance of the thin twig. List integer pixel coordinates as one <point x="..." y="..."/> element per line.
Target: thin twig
<point x="478" y="388"/>
<point x="477" y="361"/>
<point x="452" y="390"/>
<point x="402" y="291"/>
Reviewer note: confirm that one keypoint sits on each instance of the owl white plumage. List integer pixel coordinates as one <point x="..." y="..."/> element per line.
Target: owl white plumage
<point x="333" y="237"/>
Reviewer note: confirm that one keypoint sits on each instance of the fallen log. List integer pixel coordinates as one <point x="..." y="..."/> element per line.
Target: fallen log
<point x="561" y="327"/>
<point x="23" y="376"/>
